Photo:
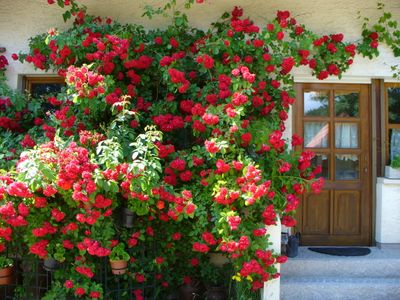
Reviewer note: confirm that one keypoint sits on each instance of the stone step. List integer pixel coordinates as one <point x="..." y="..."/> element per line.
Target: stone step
<point x="381" y="263"/>
<point x="343" y="288"/>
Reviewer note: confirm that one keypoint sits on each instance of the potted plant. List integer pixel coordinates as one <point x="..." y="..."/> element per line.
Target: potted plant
<point x="190" y="290"/>
<point x="119" y="259"/>
<point x="55" y="257"/>
<point x="128" y="217"/>
<point x="393" y="171"/>
<point x="50" y="264"/>
<point x="6" y="270"/>
<point x="216" y="280"/>
<point x="145" y="161"/>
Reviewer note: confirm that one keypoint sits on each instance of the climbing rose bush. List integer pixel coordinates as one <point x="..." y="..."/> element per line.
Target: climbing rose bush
<point x="183" y="127"/>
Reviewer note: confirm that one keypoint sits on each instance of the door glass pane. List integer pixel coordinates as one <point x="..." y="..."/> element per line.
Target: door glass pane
<point x="346" y="135"/>
<point x="316" y="104"/>
<point x="347" y="167"/>
<point x="323" y="161"/>
<point x="346" y="104"/>
<point x="394" y="105"/>
<point x="316" y="134"/>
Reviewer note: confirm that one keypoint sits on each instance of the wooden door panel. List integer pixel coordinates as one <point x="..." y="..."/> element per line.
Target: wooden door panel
<point x="316" y="213"/>
<point x="347" y="212"/>
<point x="341" y="213"/>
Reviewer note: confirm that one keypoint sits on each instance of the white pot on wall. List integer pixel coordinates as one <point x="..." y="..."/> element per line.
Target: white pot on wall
<point x="392" y="172"/>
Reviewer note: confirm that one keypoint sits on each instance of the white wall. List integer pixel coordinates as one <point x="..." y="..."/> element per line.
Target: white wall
<point x="271" y="290"/>
<point x="388" y="211"/>
<point x="20" y="19"/>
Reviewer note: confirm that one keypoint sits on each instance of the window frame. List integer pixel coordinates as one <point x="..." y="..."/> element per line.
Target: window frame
<point x="30" y="80"/>
<point x="389" y="126"/>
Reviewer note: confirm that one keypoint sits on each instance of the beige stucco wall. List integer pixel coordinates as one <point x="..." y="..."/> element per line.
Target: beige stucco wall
<point x="20" y="19"/>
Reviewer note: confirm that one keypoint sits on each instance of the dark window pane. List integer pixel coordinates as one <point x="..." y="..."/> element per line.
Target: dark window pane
<point x="346" y="104"/>
<point x="394" y="105"/>
<point x="316" y="104"/>
<point x="41" y="89"/>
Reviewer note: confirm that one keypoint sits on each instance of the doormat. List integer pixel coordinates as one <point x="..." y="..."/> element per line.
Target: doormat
<point x="348" y="251"/>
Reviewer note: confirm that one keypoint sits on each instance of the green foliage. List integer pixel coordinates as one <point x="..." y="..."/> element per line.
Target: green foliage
<point x="119" y="253"/>
<point x="56" y="292"/>
<point x="387" y="30"/>
<point x="213" y="275"/>
<point x="109" y="152"/>
<point x="395" y="162"/>
<point x="184" y="127"/>
<point x="241" y="291"/>
<point x="150" y="11"/>
<point x="5" y="262"/>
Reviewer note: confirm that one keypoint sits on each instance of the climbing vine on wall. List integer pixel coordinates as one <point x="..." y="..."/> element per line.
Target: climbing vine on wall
<point x="181" y="127"/>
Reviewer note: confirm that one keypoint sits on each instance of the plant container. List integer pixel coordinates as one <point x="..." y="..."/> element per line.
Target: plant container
<point x="128" y="217"/>
<point x="392" y="172"/>
<point x="216" y="293"/>
<point x="50" y="264"/>
<point x="189" y="292"/>
<point x="118" y="267"/>
<point x="6" y="276"/>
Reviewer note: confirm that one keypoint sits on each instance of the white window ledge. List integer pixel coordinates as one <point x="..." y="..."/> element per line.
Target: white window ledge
<point x="385" y="180"/>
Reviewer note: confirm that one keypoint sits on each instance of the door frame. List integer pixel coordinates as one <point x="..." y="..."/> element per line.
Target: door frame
<point x="373" y="98"/>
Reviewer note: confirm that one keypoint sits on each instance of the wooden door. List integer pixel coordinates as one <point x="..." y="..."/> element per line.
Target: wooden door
<point x="334" y="120"/>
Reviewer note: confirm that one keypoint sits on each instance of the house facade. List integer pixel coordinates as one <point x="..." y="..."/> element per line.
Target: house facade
<point x="352" y="123"/>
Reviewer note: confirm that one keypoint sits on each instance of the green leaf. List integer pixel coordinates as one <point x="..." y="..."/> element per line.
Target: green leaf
<point x="114" y="187"/>
<point x="66" y="16"/>
<point x="47" y="40"/>
<point x="48" y="173"/>
<point x="226" y="15"/>
<point x="178" y="21"/>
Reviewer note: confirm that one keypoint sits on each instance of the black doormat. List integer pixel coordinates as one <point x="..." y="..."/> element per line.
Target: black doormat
<point x="348" y="251"/>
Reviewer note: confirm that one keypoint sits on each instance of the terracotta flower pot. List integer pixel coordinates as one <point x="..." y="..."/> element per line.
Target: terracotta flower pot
<point x="6" y="276"/>
<point x="216" y="293"/>
<point x="118" y="267"/>
<point x="172" y="296"/>
<point x="189" y="292"/>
